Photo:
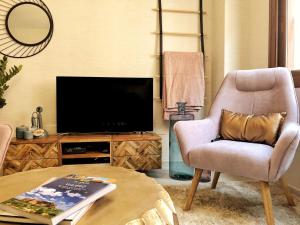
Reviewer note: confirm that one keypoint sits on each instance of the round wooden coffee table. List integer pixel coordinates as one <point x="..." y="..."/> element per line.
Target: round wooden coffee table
<point x="135" y="194"/>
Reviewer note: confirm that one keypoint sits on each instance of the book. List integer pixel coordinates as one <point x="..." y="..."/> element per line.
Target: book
<point x="70" y="220"/>
<point x="58" y="199"/>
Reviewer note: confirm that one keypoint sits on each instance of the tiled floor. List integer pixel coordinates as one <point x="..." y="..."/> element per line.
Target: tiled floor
<point x="162" y="177"/>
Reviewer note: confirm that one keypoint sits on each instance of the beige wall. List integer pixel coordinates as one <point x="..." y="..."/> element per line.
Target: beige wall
<point x="101" y="38"/>
<point x="246" y="34"/>
<point x="218" y="44"/>
<point x="240" y="37"/>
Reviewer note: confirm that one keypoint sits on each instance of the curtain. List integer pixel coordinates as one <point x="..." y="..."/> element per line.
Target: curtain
<point x="278" y="35"/>
<point x="282" y="33"/>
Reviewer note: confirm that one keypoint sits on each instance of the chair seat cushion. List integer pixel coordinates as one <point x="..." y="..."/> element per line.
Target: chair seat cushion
<point x="234" y="157"/>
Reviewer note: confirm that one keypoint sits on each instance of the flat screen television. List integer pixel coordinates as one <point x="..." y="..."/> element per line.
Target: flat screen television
<point x="101" y="104"/>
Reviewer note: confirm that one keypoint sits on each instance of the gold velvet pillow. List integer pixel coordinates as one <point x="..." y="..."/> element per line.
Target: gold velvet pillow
<point x="252" y="128"/>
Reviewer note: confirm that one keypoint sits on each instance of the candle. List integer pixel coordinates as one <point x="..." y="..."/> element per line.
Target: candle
<point x="20" y="131"/>
<point x="28" y="135"/>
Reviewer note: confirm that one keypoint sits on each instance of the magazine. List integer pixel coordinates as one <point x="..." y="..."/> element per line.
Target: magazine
<point x="58" y="199"/>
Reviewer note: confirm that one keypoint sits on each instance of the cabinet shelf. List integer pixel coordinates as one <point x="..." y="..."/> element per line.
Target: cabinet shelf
<point x="86" y="155"/>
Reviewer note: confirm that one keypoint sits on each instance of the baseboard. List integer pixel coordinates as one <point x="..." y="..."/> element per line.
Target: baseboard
<point x="165" y="165"/>
<point x="295" y="190"/>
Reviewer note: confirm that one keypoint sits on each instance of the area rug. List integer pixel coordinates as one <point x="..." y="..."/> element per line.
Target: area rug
<point x="236" y="202"/>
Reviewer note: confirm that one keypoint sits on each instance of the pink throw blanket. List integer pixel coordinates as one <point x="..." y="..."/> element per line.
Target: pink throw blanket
<point x="183" y="81"/>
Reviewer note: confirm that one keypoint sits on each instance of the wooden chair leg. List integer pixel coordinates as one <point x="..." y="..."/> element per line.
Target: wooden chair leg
<point x="195" y="182"/>
<point x="266" y="196"/>
<point x="215" y="180"/>
<point x="287" y="192"/>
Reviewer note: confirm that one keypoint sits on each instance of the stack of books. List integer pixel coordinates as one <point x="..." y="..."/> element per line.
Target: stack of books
<point x="59" y="201"/>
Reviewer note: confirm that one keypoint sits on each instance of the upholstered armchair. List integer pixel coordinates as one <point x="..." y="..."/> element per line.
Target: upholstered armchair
<point x="250" y="92"/>
<point x="5" y="137"/>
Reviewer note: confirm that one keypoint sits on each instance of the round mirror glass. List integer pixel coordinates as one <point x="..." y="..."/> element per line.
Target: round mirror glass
<point x="28" y="24"/>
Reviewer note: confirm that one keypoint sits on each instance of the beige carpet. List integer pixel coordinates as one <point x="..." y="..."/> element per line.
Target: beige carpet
<point x="234" y="202"/>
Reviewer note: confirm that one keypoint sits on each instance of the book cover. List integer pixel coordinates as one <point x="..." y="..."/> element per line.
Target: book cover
<point x="54" y="201"/>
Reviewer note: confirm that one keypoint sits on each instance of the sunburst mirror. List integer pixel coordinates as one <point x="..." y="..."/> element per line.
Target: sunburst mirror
<point x="26" y="27"/>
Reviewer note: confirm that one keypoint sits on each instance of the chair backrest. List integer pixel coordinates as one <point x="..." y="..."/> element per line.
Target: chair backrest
<point x="257" y="91"/>
<point x="5" y="137"/>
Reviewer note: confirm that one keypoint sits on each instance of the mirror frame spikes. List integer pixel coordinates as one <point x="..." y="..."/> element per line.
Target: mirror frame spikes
<point x="9" y="45"/>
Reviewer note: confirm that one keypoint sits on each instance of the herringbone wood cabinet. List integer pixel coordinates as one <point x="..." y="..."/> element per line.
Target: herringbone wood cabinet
<point x="25" y="155"/>
<point x="132" y="151"/>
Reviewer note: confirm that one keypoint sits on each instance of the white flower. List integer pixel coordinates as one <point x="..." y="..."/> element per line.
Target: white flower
<point x="78" y="195"/>
<point x="46" y="191"/>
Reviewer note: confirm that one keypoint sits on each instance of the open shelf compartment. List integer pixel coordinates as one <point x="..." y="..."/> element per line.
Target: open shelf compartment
<point x="88" y="152"/>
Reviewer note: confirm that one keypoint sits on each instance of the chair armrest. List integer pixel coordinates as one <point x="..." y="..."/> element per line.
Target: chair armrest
<point x="284" y="151"/>
<point x="191" y="134"/>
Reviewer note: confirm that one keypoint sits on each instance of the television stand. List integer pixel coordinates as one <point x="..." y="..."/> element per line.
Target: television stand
<point x="131" y="150"/>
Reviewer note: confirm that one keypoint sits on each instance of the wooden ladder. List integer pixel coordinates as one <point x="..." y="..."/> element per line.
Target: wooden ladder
<point x="161" y="33"/>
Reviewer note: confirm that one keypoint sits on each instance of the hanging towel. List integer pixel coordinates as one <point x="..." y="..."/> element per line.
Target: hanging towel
<point x="183" y="81"/>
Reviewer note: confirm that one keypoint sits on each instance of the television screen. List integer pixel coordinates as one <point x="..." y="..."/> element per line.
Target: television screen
<point x="101" y="104"/>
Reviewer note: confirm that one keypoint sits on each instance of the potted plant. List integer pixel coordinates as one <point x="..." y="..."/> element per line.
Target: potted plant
<point x="5" y="76"/>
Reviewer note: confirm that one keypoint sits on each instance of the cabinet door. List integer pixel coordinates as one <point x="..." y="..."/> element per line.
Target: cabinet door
<point x="15" y="166"/>
<point x="146" y="162"/>
<point x="32" y="151"/>
<point x="132" y="148"/>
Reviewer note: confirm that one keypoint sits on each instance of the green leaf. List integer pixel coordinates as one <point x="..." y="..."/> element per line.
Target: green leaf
<point x="6" y="75"/>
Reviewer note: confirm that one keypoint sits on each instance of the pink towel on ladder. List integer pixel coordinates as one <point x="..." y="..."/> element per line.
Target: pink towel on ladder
<point x="183" y="81"/>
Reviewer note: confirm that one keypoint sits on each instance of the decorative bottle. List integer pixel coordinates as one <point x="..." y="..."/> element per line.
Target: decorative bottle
<point x="177" y="169"/>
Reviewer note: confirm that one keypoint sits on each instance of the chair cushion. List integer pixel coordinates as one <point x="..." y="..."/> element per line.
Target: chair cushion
<point x="237" y="158"/>
<point x="250" y="127"/>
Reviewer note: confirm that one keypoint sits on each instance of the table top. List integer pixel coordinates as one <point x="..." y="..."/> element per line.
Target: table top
<point x="135" y="193"/>
<point x="88" y="138"/>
